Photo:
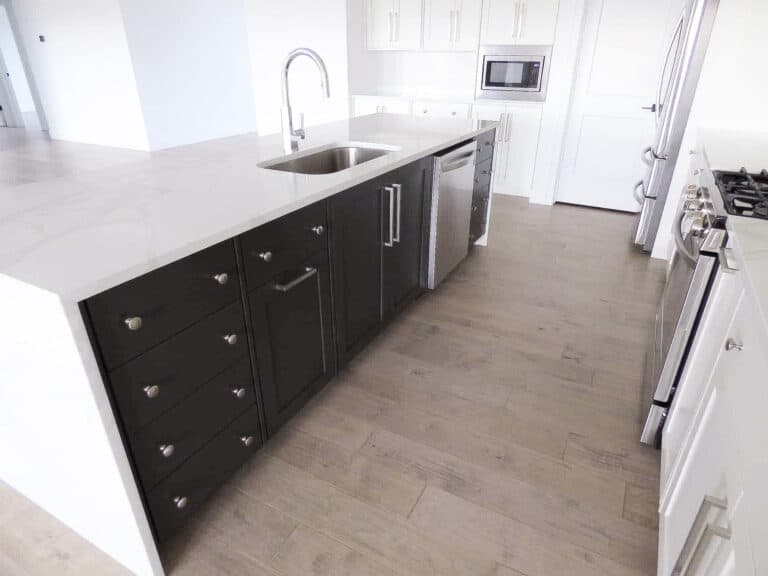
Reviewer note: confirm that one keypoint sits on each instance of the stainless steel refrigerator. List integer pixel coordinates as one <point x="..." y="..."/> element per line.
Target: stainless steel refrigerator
<point x="675" y="93"/>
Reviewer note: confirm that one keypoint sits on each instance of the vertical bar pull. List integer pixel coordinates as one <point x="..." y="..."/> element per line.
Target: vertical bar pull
<point x="391" y="242"/>
<point x="701" y="534"/>
<point x="399" y="190"/>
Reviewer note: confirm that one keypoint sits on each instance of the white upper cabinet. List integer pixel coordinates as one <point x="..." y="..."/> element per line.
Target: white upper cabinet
<point x="452" y="25"/>
<point x="393" y="24"/>
<point x="519" y="21"/>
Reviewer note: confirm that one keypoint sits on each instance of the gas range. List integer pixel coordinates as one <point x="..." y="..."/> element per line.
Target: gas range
<point x="742" y="193"/>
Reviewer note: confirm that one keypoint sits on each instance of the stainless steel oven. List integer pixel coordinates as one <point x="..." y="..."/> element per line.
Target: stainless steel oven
<point x="513" y="72"/>
<point x="700" y="238"/>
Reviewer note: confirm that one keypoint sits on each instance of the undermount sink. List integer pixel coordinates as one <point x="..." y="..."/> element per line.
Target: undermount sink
<point x="330" y="160"/>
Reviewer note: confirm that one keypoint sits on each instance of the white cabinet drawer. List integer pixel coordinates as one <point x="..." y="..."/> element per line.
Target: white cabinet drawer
<point x="441" y="109"/>
<point x="364" y="105"/>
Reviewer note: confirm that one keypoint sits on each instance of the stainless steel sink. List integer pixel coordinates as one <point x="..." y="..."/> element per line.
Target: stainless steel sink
<point x="329" y="160"/>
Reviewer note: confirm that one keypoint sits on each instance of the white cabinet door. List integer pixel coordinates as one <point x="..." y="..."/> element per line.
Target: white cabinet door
<point x="407" y="25"/>
<point x="380" y="24"/>
<point x="467" y="32"/>
<point x="378" y="104"/>
<point x="519" y="21"/>
<point x="440" y="18"/>
<point x="440" y="109"/>
<point x="517" y="146"/>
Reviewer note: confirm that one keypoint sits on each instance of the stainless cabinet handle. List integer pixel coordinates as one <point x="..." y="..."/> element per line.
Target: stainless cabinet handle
<point x="701" y="533"/>
<point x="397" y="26"/>
<point x="457" y="30"/>
<point x="523" y="17"/>
<point x="517" y="20"/>
<point x="452" y="34"/>
<point x="391" y="26"/>
<point x="266" y="256"/>
<point x="134" y="323"/>
<point x="239" y="393"/>
<point x="391" y="191"/>
<point x="167" y="450"/>
<point x="677" y="232"/>
<point x="308" y="273"/>
<point x="318" y="230"/>
<point x="399" y="191"/>
<point x="231" y="339"/>
<point x="660" y="85"/>
<point x="222" y="278"/>
<point x="732" y="344"/>
<point x="180" y="501"/>
<point x="247" y="441"/>
<point x="152" y="391"/>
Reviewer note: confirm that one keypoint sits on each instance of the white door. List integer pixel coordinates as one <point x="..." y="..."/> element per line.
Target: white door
<point x="467" y="33"/>
<point x="519" y="21"/>
<point x="518" y="145"/>
<point x="380" y="24"/>
<point x="407" y="25"/>
<point x="439" y="24"/>
<point x="623" y="44"/>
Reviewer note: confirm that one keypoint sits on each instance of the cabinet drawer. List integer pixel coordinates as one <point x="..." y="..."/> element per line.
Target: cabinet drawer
<point x="441" y="109"/>
<point x="164" y="445"/>
<point x="483" y="174"/>
<point x="478" y="220"/>
<point x="139" y="314"/>
<point x="283" y="244"/>
<point x="485" y="143"/>
<point x="151" y="384"/>
<point x="179" y="495"/>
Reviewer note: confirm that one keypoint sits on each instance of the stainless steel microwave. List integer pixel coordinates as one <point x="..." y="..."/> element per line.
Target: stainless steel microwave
<point x="513" y="72"/>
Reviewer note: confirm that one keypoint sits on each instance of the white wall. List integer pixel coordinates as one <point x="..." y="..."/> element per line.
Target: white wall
<point x="731" y="94"/>
<point x="274" y="29"/>
<point x="83" y="70"/>
<point x="192" y="68"/>
<point x="400" y="73"/>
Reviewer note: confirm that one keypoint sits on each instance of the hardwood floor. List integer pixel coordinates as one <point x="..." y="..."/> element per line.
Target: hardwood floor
<point x="491" y="430"/>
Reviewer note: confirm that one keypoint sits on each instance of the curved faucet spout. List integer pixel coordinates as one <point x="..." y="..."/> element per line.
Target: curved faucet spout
<point x="290" y="135"/>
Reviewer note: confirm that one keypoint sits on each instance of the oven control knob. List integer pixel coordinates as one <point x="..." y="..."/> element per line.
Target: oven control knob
<point x="699" y="225"/>
<point x="692" y="192"/>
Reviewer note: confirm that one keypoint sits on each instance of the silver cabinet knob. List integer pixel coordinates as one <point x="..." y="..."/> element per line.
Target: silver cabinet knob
<point x="231" y="339"/>
<point x="222" y="278"/>
<point x="152" y="391"/>
<point x="453" y="113"/>
<point x="239" y="393"/>
<point x="426" y="111"/>
<point x="266" y="256"/>
<point x="318" y="230"/>
<point x="167" y="450"/>
<point x="180" y="501"/>
<point x="732" y="344"/>
<point x="247" y="441"/>
<point x="134" y="323"/>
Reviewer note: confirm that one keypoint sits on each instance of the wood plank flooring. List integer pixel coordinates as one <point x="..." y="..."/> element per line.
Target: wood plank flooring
<point x="492" y="430"/>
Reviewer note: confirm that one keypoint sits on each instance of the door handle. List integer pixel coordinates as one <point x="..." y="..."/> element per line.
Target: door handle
<point x="700" y="535"/>
<point x="399" y="191"/>
<point x="308" y="273"/>
<point x="639" y="198"/>
<point x="391" y="26"/>
<point x="517" y="19"/>
<point x="523" y="17"/>
<point x="391" y="242"/>
<point x="452" y="33"/>
<point x="457" y="30"/>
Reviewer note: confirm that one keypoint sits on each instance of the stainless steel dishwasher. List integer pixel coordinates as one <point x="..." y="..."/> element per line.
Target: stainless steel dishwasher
<point x="452" y="183"/>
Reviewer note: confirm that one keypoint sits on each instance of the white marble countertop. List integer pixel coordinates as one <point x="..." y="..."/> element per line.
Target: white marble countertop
<point x="730" y="151"/>
<point x="81" y="234"/>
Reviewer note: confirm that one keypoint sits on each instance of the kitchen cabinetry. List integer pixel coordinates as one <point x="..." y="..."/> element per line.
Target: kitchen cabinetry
<point x="440" y="109"/>
<point x="364" y="105"/>
<point x="517" y="144"/>
<point x="452" y="25"/>
<point x="377" y="231"/>
<point x="393" y="24"/>
<point x="519" y="21"/>
<point x="481" y="193"/>
<point x="291" y="318"/>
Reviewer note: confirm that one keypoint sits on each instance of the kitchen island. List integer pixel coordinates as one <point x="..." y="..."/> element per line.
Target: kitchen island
<point x="66" y="243"/>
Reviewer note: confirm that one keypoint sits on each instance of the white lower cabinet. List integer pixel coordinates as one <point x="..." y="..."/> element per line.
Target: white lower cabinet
<point x="517" y="143"/>
<point x="440" y="109"/>
<point x="364" y="105"/>
<point x="713" y="510"/>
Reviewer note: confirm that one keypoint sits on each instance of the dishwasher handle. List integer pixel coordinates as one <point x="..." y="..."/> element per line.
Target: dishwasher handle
<point x="457" y="163"/>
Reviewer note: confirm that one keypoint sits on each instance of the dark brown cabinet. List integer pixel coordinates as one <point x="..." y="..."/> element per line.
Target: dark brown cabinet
<point x="378" y="230"/>
<point x="293" y="339"/>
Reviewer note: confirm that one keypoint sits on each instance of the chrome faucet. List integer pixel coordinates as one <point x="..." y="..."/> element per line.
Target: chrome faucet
<point x="292" y="136"/>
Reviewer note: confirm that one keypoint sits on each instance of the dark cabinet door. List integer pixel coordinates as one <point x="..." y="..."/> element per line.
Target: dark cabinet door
<point x="402" y="205"/>
<point x="356" y="229"/>
<point x="293" y="338"/>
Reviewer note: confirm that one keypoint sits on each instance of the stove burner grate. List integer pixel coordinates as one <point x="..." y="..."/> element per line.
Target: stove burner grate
<point x="744" y="194"/>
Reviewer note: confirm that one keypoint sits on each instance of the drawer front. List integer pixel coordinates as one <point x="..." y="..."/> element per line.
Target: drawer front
<point x="166" y="444"/>
<point x="179" y="495"/>
<point x="283" y="244"/>
<point x="477" y="223"/>
<point x="483" y="174"/>
<point x="139" y="314"/>
<point x="485" y="144"/>
<point x="151" y="384"/>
